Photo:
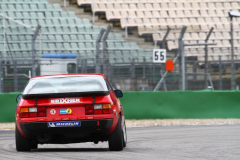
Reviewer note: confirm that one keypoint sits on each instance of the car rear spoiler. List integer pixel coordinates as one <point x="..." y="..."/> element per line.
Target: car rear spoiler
<point x="64" y="95"/>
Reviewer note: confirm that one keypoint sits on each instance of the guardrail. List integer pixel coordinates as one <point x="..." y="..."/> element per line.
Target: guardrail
<point x="159" y="105"/>
<point x="179" y="104"/>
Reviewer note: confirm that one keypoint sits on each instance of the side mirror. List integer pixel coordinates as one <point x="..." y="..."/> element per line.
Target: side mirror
<point x="118" y="93"/>
<point x="18" y="98"/>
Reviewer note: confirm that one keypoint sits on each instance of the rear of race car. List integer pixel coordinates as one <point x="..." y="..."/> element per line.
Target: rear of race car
<point x="87" y="118"/>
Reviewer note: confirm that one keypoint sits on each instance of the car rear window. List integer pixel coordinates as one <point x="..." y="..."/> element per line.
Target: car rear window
<point x="66" y="85"/>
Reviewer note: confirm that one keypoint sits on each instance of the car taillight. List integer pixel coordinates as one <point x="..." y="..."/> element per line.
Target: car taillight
<point x="32" y="114"/>
<point x="27" y="112"/>
<point x="89" y="109"/>
<point x="98" y="109"/>
<point x="24" y="115"/>
<point x="107" y="111"/>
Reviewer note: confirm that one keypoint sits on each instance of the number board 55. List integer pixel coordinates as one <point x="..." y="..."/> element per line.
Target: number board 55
<point x="159" y="56"/>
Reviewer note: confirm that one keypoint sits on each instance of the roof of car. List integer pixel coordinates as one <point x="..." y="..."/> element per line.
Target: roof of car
<point x="69" y="75"/>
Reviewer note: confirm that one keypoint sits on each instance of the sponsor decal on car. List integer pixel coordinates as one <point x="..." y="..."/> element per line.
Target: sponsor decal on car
<point x="65" y="100"/>
<point x="52" y="111"/>
<point x="66" y="111"/>
<point x="65" y="124"/>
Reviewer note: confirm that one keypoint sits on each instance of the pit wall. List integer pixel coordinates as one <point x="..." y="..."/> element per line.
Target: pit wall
<point x="159" y="105"/>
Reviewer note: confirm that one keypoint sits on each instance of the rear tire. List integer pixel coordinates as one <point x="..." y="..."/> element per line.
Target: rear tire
<point x="124" y="136"/>
<point x="22" y="143"/>
<point x="115" y="140"/>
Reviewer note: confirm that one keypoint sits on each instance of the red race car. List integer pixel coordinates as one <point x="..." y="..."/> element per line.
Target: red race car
<point x="69" y="108"/>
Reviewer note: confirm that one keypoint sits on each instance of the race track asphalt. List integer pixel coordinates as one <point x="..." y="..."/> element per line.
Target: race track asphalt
<point x="144" y="143"/>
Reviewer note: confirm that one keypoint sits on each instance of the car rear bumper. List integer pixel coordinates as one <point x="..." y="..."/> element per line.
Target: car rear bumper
<point x="89" y="130"/>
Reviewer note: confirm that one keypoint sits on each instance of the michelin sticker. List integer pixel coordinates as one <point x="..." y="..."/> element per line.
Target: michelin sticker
<point x="65" y="100"/>
<point x="65" y="124"/>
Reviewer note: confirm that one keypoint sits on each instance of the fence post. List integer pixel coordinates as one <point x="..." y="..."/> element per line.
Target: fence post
<point x="1" y="78"/>
<point x="111" y="71"/>
<point x="85" y="65"/>
<point x="210" y="79"/>
<point x="105" y="61"/>
<point x="133" y="68"/>
<point x="15" y="76"/>
<point x="34" y="50"/>
<point x="8" y="45"/>
<point x="233" y="81"/>
<point x="4" y="37"/>
<point x="206" y="57"/>
<point x="97" y="66"/>
<point x="220" y="73"/>
<point x="182" y="59"/>
<point x="77" y="64"/>
<point x="144" y="67"/>
<point x="195" y="70"/>
<point x="82" y="65"/>
<point x="165" y="38"/>
<point x="182" y="55"/>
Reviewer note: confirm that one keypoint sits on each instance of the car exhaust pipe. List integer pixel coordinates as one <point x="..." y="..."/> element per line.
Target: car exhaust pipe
<point x="43" y="138"/>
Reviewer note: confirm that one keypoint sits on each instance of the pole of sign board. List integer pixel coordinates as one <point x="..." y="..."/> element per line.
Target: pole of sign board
<point x="164" y="84"/>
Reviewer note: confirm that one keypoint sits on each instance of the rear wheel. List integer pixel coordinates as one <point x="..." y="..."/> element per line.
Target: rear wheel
<point x="22" y="143"/>
<point x="124" y="135"/>
<point x="115" y="140"/>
